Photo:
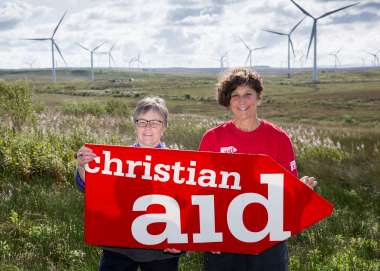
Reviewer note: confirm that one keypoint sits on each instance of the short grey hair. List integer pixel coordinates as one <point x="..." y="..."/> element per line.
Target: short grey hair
<point x="151" y="103"/>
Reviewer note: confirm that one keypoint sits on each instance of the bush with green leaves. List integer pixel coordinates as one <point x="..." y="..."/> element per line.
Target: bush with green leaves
<point x="31" y="155"/>
<point x="117" y="107"/>
<point x="16" y="103"/>
<point x="111" y="107"/>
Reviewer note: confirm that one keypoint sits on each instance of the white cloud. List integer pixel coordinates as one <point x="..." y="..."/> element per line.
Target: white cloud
<point x="181" y="33"/>
<point x="12" y="13"/>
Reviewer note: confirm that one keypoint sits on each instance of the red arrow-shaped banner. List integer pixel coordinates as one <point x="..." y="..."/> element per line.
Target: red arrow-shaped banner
<point x="189" y="200"/>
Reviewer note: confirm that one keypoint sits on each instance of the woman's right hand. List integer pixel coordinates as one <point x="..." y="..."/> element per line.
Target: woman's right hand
<point x="84" y="155"/>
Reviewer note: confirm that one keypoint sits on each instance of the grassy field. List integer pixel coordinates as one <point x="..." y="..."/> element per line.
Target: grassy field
<point x="335" y="127"/>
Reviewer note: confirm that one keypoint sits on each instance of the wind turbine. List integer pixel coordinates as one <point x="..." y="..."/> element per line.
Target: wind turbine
<point x="222" y="58"/>
<point x="133" y="59"/>
<point x="138" y="60"/>
<point x="300" y="57"/>
<point x="110" y="57"/>
<point x="336" y="58"/>
<point x="363" y="61"/>
<point x="375" y="58"/>
<point x="92" y="56"/>
<point x="313" y="35"/>
<point x="250" y="51"/>
<point x="290" y="42"/>
<point x="53" y="45"/>
<point x="30" y="63"/>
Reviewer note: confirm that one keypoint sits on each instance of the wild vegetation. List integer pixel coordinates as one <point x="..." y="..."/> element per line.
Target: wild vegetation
<point x="334" y="125"/>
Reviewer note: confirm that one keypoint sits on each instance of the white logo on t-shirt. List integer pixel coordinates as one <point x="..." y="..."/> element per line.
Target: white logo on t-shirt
<point x="229" y="149"/>
<point x="293" y="165"/>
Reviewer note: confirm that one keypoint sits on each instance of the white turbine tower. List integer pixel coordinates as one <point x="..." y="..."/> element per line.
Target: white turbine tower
<point x="91" y="56"/>
<point x="336" y="58"/>
<point x="250" y="51"/>
<point x="53" y="45"/>
<point x="313" y="35"/>
<point x="222" y="60"/>
<point x="130" y="62"/>
<point x="290" y="42"/>
<point x="138" y="60"/>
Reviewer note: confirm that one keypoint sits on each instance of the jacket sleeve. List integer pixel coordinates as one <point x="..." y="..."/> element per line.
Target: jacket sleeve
<point x="79" y="182"/>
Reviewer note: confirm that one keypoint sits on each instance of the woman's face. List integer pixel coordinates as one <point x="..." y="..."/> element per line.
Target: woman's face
<point x="149" y="129"/>
<point x="244" y="102"/>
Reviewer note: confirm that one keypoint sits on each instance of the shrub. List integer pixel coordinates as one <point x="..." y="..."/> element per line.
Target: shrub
<point x="112" y="107"/>
<point x="184" y="134"/>
<point x="16" y="103"/>
<point x="117" y="108"/>
<point x="83" y="108"/>
<point x="31" y="154"/>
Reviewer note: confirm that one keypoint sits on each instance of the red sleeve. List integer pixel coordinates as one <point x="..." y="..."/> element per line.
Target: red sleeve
<point x="286" y="155"/>
<point x="208" y="142"/>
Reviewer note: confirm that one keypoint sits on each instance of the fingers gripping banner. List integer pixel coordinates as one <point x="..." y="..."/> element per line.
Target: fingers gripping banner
<point x="189" y="200"/>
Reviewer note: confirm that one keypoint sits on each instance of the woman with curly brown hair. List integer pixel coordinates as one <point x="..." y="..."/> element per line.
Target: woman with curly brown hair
<point x="240" y="90"/>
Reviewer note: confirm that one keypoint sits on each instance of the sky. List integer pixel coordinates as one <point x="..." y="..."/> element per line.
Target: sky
<point x="185" y="33"/>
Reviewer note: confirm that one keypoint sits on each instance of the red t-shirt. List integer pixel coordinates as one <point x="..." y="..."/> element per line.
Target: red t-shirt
<point x="266" y="139"/>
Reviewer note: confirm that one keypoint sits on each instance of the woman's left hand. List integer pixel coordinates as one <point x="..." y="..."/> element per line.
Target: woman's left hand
<point x="311" y="182"/>
<point x="172" y="250"/>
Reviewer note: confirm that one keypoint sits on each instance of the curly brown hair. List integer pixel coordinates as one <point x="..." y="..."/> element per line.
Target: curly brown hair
<point x="235" y="78"/>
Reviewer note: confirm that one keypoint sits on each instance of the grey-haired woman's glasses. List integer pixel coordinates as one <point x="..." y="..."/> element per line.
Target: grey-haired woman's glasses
<point x="151" y="123"/>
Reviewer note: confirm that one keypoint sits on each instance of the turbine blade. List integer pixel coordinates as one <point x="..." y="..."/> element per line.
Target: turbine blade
<point x="259" y="48"/>
<point x="245" y="44"/>
<point x="275" y="32"/>
<point x="291" y="46"/>
<point x="303" y="10"/>
<point x="113" y="46"/>
<point x="113" y="60"/>
<point x="37" y="39"/>
<point x="60" y="21"/>
<point x="336" y="10"/>
<point x="311" y="38"/>
<point x="294" y="27"/>
<point x="97" y="47"/>
<point x="59" y="51"/>
<point x="83" y="46"/>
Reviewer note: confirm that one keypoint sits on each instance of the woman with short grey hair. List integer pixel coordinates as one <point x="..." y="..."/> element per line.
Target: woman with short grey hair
<point x="150" y="119"/>
<point x="156" y="104"/>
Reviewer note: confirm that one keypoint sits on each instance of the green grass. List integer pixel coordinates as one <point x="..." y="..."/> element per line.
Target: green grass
<point x="334" y="126"/>
<point x="341" y="98"/>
